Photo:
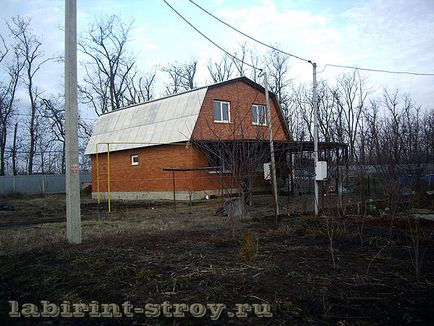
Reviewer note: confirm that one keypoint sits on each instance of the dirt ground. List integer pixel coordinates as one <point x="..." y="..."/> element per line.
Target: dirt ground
<point x="315" y="271"/>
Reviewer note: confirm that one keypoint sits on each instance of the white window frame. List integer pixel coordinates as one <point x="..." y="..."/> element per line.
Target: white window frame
<point x="221" y="111"/>
<point x="255" y="107"/>
<point x="133" y="162"/>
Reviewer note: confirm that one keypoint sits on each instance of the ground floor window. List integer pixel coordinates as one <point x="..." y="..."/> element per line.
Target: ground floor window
<point x="219" y="159"/>
<point x="135" y="159"/>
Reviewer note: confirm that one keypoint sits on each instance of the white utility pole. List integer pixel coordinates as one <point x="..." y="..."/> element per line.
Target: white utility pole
<point x="273" y="162"/>
<point x="73" y="219"/>
<point x="315" y="136"/>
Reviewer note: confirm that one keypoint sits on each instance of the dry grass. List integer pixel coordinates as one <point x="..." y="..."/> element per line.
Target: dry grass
<point x="144" y="252"/>
<point x="20" y="237"/>
<point x="39" y="220"/>
<point x="28" y="238"/>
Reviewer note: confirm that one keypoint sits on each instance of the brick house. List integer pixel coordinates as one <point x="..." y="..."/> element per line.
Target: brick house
<point x="132" y="148"/>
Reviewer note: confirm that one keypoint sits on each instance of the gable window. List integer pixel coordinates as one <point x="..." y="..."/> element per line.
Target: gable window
<point x="222" y="111"/>
<point x="259" y="115"/>
<point x="134" y="159"/>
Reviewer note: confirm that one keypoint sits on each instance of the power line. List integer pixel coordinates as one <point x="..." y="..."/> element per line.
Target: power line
<point x="378" y="70"/>
<point x="297" y="57"/>
<point x="215" y="44"/>
<point x="246" y="35"/>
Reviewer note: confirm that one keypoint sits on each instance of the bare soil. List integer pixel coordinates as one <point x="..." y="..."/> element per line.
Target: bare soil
<point x="147" y="253"/>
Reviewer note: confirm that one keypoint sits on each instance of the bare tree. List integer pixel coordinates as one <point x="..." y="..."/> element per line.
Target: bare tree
<point x="331" y="228"/>
<point x="189" y="72"/>
<point x="428" y="136"/>
<point x="181" y="76"/>
<point x="240" y="60"/>
<point x="28" y="48"/>
<point x="141" y="89"/>
<point x="85" y="129"/>
<point x="278" y="77"/>
<point x="109" y="68"/>
<point x="294" y="114"/>
<point x="392" y="148"/>
<point x="14" y="149"/>
<point x="174" y="71"/>
<point x="46" y="152"/>
<point x="301" y="103"/>
<point x="326" y="112"/>
<point x="396" y="143"/>
<point x="54" y="112"/>
<point x="299" y="111"/>
<point x="8" y="90"/>
<point x="255" y="61"/>
<point x="5" y="50"/>
<point x="221" y="70"/>
<point x="84" y="133"/>
<point x="350" y="96"/>
<point x="373" y="127"/>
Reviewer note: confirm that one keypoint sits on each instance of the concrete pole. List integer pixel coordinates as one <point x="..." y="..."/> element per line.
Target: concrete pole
<point x="315" y="136"/>
<point x="270" y="129"/>
<point x="73" y="219"/>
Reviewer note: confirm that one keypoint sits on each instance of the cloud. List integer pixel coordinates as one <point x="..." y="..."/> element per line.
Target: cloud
<point x="394" y="35"/>
<point x="393" y="32"/>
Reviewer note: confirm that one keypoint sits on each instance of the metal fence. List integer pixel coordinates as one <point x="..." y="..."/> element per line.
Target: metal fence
<point x="39" y="183"/>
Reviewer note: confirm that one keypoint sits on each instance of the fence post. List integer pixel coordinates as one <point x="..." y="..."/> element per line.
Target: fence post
<point x="43" y="183"/>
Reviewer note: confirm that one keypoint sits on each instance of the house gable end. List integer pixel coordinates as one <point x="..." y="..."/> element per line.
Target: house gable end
<point x="241" y="93"/>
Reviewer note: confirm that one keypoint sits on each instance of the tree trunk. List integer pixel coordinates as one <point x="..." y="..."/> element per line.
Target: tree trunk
<point x="31" y="128"/>
<point x="63" y="158"/>
<point x="14" y="151"/>
<point x="2" y="151"/>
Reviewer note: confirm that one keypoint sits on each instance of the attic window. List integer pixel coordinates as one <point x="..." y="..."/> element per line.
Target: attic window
<point x="259" y="115"/>
<point x="222" y="111"/>
<point x="134" y="159"/>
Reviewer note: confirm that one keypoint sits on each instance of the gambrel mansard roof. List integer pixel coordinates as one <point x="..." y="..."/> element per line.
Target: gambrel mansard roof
<point x="163" y="121"/>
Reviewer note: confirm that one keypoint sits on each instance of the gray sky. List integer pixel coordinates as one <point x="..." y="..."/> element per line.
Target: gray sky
<point x="379" y="34"/>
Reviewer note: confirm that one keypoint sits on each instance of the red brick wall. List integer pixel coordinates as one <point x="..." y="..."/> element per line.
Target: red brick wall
<point x="148" y="175"/>
<point x="241" y="96"/>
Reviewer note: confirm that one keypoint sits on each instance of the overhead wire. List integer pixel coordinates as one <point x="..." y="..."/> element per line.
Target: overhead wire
<point x="378" y="70"/>
<point x="209" y="39"/>
<point x="300" y="58"/>
<point x="248" y="36"/>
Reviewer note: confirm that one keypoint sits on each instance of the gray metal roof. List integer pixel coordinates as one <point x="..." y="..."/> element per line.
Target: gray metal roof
<point x="164" y="121"/>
